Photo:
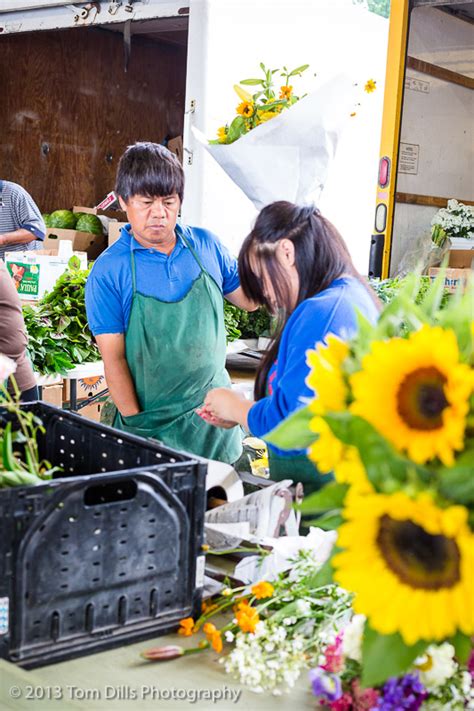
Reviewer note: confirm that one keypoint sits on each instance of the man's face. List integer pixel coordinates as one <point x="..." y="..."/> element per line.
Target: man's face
<point x="153" y="219"/>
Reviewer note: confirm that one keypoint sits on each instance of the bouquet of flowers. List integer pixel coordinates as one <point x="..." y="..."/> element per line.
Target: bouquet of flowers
<point x="276" y="629"/>
<point x="393" y="419"/>
<point x="261" y="106"/>
<point x="280" y="147"/>
<point x="454" y="220"/>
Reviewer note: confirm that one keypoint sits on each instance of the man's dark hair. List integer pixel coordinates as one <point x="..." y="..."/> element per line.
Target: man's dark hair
<point x="149" y="169"/>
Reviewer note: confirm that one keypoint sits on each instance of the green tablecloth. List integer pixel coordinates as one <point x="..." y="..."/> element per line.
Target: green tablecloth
<point x="119" y="679"/>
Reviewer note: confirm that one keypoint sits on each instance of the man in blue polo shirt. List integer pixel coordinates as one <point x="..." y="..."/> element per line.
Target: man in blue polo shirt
<point x="155" y="305"/>
<point x="21" y="223"/>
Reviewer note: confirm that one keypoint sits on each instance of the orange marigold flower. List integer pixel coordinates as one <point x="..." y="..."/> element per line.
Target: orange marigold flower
<point x="247" y="619"/>
<point x="241" y="604"/>
<point x="186" y="626"/>
<point x="246" y="108"/>
<point x="209" y="628"/>
<point x="286" y="92"/>
<point x="370" y="86"/>
<point x="216" y="642"/>
<point x="262" y="590"/>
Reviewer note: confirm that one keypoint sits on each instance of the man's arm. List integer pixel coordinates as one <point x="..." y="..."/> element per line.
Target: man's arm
<point x="20" y="236"/>
<point x="239" y="299"/>
<point x="117" y="373"/>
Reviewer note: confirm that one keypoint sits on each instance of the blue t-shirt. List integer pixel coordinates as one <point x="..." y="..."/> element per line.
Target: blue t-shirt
<point x="109" y="287"/>
<point x="331" y="311"/>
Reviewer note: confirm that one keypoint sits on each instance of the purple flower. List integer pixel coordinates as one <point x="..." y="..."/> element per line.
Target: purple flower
<point x="404" y="693"/>
<point x="327" y="686"/>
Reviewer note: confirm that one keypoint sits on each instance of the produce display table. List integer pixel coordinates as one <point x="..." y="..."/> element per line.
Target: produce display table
<point x="85" y="370"/>
<point x="120" y="679"/>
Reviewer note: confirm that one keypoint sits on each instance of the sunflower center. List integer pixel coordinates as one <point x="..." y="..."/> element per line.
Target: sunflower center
<point x="418" y="558"/>
<point x="421" y="399"/>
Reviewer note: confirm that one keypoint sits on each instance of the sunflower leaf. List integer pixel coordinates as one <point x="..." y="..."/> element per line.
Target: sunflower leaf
<point x="322" y="577"/>
<point x="384" y="656"/>
<point x="383" y="465"/>
<point x="457" y="482"/>
<point x="329" y="497"/>
<point x="294" y="432"/>
<point x="462" y="645"/>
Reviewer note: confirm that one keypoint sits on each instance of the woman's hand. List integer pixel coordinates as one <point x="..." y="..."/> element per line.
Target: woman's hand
<point x="208" y="417"/>
<point x="225" y="405"/>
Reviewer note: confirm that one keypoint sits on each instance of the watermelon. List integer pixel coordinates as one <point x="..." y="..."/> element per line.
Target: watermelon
<point x="89" y="223"/>
<point x="46" y="219"/>
<point x="63" y="219"/>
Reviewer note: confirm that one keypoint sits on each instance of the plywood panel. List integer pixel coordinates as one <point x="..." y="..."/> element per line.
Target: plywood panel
<point x="69" y="109"/>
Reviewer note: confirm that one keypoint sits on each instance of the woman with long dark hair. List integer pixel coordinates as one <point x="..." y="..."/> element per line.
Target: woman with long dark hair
<point x="296" y="264"/>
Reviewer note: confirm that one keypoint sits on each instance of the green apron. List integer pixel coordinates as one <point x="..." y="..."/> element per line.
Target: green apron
<point x="176" y="353"/>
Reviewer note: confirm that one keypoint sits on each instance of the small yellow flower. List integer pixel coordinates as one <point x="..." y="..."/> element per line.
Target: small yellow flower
<point x="286" y="92"/>
<point x="186" y="627"/>
<point x="262" y="590"/>
<point x="370" y="86"/>
<point x="205" y="547"/>
<point x="222" y="134"/>
<point x="246" y="108"/>
<point x="226" y="592"/>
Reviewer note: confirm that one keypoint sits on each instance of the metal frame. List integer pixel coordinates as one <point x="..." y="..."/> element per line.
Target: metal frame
<point x="381" y="242"/>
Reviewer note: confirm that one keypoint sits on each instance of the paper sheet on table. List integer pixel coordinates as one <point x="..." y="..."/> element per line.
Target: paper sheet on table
<point x="252" y="569"/>
<point x="288" y="157"/>
<point x="265" y="511"/>
<point x="223" y="536"/>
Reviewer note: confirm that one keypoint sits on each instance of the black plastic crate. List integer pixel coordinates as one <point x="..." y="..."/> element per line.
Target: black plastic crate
<point x="108" y="553"/>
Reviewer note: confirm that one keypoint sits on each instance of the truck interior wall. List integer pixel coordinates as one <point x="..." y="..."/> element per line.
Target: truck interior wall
<point x="437" y="125"/>
<point x="69" y="109"/>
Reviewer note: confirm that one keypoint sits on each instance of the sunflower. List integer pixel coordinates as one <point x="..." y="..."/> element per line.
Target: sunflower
<point x="327" y="380"/>
<point x="410" y="565"/>
<point x="416" y="393"/>
<point x="222" y="134"/>
<point x="246" y="108"/>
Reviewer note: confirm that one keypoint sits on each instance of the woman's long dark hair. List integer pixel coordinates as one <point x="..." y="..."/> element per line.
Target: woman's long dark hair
<point x="321" y="256"/>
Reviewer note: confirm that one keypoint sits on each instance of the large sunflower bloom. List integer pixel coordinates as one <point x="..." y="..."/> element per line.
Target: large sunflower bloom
<point x="410" y="565"/>
<point x="416" y="393"/>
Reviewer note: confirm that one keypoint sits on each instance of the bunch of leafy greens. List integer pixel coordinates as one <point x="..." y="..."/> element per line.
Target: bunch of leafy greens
<point x="58" y="333"/>
<point x="387" y="289"/>
<point x="245" y="324"/>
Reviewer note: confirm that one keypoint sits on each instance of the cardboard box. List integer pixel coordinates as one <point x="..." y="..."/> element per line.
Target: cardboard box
<point x="86" y="387"/>
<point x="93" y="245"/>
<point x="453" y="277"/>
<point x="115" y="229"/>
<point x="461" y="258"/>
<point x="52" y="394"/>
<point x="36" y="271"/>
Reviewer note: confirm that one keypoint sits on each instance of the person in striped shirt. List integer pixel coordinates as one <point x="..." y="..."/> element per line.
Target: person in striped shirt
<point x="21" y="224"/>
